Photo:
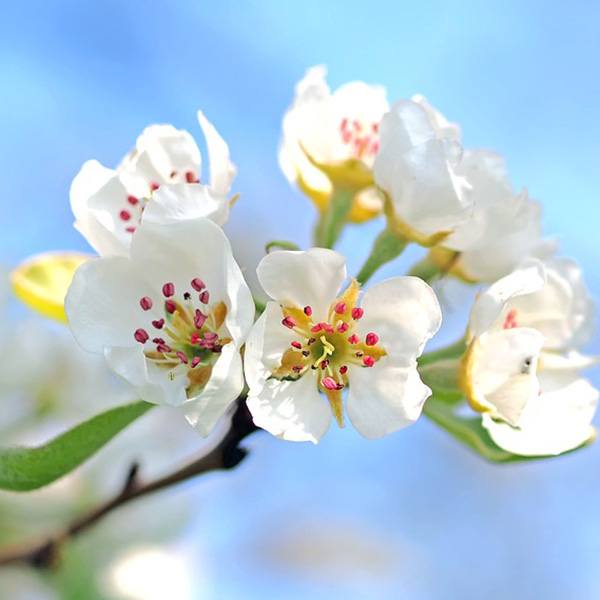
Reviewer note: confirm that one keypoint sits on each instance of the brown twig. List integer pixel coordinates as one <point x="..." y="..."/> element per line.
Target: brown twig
<point x="227" y="454"/>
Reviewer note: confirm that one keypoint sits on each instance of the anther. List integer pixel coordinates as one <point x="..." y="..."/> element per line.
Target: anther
<point x="340" y="308"/>
<point x="297" y="345"/>
<point x="125" y="215"/>
<point x="141" y="336"/>
<point x="357" y="313"/>
<point x="164" y="348"/>
<point x="199" y="319"/>
<point x="195" y="361"/>
<point x="289" y="322"/>
<point x="159" y="323"/>
<point x="308" y="311"/>
<point x="154" y="186"/>
<point x="343" y="369"/>
<point x="368" y="361"/>
<point x="146" y="303"/>
<point x="371" y="339"/>
<point x="130" y="229"/>
<point x="204" y="297"/>
<point x="168" y="289"/>
<point x="343" y="327"/>
<point x="353" y="339"/>
<point x="305" y="353"/>
<point x="190" y="177"/>
<point x="324" y="364"/>
<point x="197" y="284"/>
<point x="182" y="357"/>
<point x="170" y="306"/>
<point x="132" y="200"/>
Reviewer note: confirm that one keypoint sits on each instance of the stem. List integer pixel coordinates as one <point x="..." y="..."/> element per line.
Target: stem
<point x="332" y="220"/>
<point x="225" y="455"/>
<point x="387" y="247"/>
<point x="454" y="350"/>
<point x="425" y="269"/>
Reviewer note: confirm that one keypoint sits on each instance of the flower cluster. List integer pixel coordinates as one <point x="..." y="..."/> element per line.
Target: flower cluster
<point x="167" y="305"/>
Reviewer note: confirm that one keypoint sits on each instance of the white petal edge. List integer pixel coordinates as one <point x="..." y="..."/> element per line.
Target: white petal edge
<point x="222" y="170"/>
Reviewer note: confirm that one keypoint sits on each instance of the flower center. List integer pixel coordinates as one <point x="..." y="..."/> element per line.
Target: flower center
<point x="362" y="138"/>
<point x="189" y="334"/>
<point x="130" y="215"/>
<point x="329" y="348"/>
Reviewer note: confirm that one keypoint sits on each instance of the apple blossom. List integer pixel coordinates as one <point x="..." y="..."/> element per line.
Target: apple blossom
<point x="312" y="339"/>
<point x="417" y="168"/>
<point x="170" y="318"/>
<point x="504" y="229"/>
<point x="521" y="368"/>
<point x="108" y="203"/>
<point x="328" y="132"/>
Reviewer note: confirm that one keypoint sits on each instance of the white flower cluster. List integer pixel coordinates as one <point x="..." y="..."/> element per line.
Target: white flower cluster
<point x="167" y="304"/>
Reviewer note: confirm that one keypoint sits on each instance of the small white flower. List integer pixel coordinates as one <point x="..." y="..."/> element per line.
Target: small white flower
<point x="312" y="340"/>
<point x="170" y="319"/>
<point x="164" y="166"/>
<point x="417" y="166"/>
<point x="521" y="367"/>
<point x="330" y="129"/>
<point x="505" y="227"/>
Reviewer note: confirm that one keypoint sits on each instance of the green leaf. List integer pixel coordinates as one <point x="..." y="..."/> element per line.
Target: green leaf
<point x="24" y="469"/>
<point x="387" y="247"/>
<point x="470" y="432"/>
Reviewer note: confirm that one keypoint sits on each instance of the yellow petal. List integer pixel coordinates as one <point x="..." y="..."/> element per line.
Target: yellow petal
<point x="42" y="281"/>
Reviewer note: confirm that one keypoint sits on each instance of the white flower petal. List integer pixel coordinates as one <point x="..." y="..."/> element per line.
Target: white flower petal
<point x="102" y="304"/>
<point x="304" y="278"/>
<point x="404" y="312"/>
<point x="292" y="410"/>
<point x="97" y="197"/>
<point x="222" y="170"/>
<point x="504" y="370"/>
<point x="183" y="201"/>
<point x="557" y="420"/>
<point x="180" y="251"/>
<point x="489" y="306"/>
<point x="385" y="398"/>
<point x="224" y="386"/>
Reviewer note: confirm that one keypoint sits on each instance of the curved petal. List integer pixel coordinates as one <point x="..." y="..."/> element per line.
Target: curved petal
<point x="222" y="170"/>
<point x="554" y="422"/>
<point x="291" y="410"/>
<point x="131" y="365"/>
<point x="303" y="278"/>
<point x="183" y="201"/>
<point x="404" y="312"/>
<point x="102" y="304"/>
<point x="97" y="197"/>
<point x="178" y="252"/>
<point x="385" y="398"/>
<point x="266" y="343"/>
<point x="224" y="386"/>
<point x="503" y="371"/>
<point x="488" y="307"/>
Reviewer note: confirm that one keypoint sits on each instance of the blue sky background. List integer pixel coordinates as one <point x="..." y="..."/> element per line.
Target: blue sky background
<point x="413" y="515"/>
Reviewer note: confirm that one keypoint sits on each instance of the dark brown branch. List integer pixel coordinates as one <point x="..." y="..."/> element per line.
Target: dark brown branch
<point x="227" y="454"/>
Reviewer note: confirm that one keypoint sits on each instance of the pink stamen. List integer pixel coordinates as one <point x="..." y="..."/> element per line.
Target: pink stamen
<point x="297" y="368"/>
<point x="308" y="311"/>
<point x="154" y="186"/>
<point x="343" y="369"/>
<point x="289" y="322"/>
<point x="204" y="297"/>
<point x="125" y="215"/>
<point x="316" y="328"/>
<point x="158" y="340"/>
<point x="353" y="339"/>
<point x="340" y="308"/>
<point x="141" y="336"/>
<point x="182" y="357"/>
<point x="170" y="306"/>
<point x="130" y="229"/>
<point x="510" y="322"/>
<point x="195" y="361"/>
<point x="199" y="319"/>
<point x="368" y="361"/>
<point x="195" y="338"/>
<point x="190" y="177"/>
<point x="343" y="327"/>
<point x="329" y="383"/>
<point x="357" y="313"/>
<point x="168" y="290"/>
<point x="159" y="323"/>
<point x="371" y="339"/>
<point x="146" y="303"/>
<point x="132" y="200"/>
<point x="164" y="348"/>
<point x="211" y="336"/>
<point x="297" y="345"/>
<point x="324" y="364"/>
<point x="198" y="284"/>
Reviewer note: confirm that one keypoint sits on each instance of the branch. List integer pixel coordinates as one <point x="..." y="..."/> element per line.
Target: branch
<point x="227" y="454"/>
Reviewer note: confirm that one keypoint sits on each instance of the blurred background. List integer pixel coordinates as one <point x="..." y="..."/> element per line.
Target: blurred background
<point x="412" y="516"/>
